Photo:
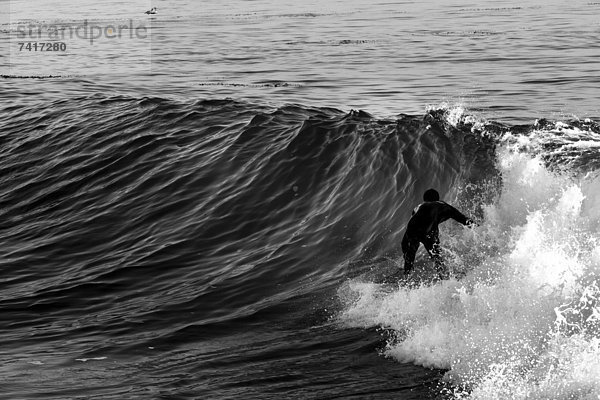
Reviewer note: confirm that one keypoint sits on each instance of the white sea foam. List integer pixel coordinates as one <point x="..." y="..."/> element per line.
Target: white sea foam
<point x="572" y="147"/>
<point x="523" y="322"/>
<point x="456" y="114"/>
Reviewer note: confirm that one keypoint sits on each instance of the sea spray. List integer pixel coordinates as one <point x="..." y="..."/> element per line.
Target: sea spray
<point x="522" y="318"/>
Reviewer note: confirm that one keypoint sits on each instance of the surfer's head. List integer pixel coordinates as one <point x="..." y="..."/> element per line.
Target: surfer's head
<point x="431" y="195"/>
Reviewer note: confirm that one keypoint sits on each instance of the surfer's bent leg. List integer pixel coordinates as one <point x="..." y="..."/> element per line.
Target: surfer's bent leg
<point x="409" y="248"/>
<point x="432" y="245"/>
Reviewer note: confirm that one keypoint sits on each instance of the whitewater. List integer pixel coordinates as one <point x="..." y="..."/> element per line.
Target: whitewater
<point x="520" y="319"/>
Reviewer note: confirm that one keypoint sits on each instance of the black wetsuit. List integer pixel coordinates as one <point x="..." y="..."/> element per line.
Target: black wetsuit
<point x="423" y="228"/>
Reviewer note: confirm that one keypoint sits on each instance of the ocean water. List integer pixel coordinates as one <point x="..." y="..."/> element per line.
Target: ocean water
<point x="208" y="202"/>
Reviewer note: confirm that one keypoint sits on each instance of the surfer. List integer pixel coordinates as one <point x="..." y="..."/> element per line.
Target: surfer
<point x="423" y="228"/>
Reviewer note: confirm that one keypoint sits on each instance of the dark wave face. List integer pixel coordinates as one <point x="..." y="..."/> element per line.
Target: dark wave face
<point x="158" y="248"/>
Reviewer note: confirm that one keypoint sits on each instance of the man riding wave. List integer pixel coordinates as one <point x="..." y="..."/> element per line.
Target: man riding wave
<point x="423" y="228"/>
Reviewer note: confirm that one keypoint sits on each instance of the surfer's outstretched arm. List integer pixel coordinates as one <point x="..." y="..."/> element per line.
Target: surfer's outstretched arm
<point x="456" y="215"/>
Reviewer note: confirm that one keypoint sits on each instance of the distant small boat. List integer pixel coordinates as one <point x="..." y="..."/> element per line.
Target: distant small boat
<point x="152" y="11"/>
